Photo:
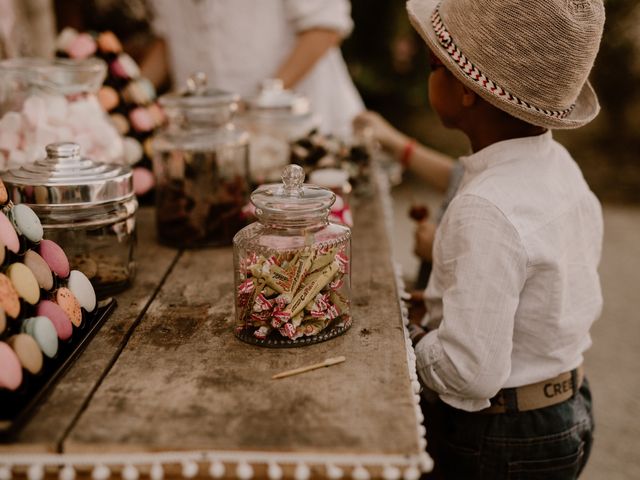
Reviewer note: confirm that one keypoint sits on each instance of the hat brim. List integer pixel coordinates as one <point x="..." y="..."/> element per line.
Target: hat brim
<point x="586" y="107"/>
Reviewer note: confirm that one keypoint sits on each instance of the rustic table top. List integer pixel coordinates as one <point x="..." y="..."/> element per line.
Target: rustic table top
<point x="166" y="374"/>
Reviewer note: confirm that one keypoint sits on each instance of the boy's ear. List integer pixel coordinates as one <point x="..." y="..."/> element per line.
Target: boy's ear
<point x="469" y="97"/>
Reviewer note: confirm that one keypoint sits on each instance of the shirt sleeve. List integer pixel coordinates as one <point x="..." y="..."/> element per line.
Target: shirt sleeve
<point x="481" y="263"/>
<point x="329" y="14"/>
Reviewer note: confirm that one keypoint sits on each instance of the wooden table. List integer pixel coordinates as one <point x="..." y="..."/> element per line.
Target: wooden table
<point x="165" y="381"/>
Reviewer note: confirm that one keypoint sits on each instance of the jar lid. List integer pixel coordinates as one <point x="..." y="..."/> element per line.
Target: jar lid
<point x="61" y="75"/>
<point x="65" y="178"/>
<point x="197" y="96"/>
<point x="292" y="196"/>
<point x="275" y="99"/>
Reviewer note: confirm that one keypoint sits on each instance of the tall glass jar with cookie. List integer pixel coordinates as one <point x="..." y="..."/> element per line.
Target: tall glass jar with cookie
<point x="200" y="162"/>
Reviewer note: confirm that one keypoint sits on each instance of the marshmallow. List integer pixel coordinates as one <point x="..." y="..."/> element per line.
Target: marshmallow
<point x="56" y="107"/>
<point x="35" y="110"/>
<point x="9" y="140"/>
<point x="11" y="121"/>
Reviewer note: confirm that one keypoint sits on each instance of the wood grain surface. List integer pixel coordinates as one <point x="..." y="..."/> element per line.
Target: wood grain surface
<point x="55" y="417"/>
<point x="185" y="382"/>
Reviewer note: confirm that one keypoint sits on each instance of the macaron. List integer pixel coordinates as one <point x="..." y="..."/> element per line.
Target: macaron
<point x="26" y="222"/>
<point x="68" y="302"/>
<point x="140" y="91"/>
<point x="28" y="352"/>
<point x="157" y="114"/>
<point x="109" y="43"/>
<point x="132" y="150"/>
<point x="108" y="98"/>
<point x="81" y="287"/>
<point x="43" y="332"/>
<point x="55" y="257"/>
<point x="124" y="67"/>
<point x="4" y="196"/>
<point x="3" y="320"/>
<point x="141" y="119"/>
<point x="24" y="282"/>
<point x="120" y="122"/>
<point x="9" y="299"/>
<point x="60" y="320"/>
<point x="39" y="268"/>
<point x="8" y="235"/>
<point x="82" y="46"/>
<point x="143" y="180"/>
<point x="10" y="368"/>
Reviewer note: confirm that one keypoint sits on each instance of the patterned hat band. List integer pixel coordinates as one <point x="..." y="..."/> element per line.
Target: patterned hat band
<point x="473" y="73"/>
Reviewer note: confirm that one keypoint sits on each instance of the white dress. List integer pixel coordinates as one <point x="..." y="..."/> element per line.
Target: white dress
<point x="239" y="43"/>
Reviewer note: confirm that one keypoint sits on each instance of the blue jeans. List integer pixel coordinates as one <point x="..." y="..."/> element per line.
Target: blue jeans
<point x="551" y="443"/>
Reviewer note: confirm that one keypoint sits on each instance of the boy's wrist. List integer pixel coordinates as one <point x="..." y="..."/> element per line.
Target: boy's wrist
<point x="406" y="154"/>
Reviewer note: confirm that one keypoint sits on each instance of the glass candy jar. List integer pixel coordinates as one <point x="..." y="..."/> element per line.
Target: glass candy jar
<point x="87" y="208"/>
<point x="48" y="101"/>
<point x="275" y="118"/>
<point x="292" y="267"/>
<point x="201" y="166"/>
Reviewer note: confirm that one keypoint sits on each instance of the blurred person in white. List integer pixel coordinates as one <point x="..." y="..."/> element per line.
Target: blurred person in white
<point x="27" y="28"/>
<point x="240" y="43"/>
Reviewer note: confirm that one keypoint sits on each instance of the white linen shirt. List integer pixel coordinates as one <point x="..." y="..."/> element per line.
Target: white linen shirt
<point x="239" y="43"/>
<point x="514" y="287"/>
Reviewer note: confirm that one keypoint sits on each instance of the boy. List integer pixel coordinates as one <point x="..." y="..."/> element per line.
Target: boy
<point x="514" y="288"/>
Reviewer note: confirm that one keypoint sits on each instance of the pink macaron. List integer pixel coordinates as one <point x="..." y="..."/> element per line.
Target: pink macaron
<point x="82" y="46"/>
<point x="58" y="317"/>
<point x="141" y="119"/>
<point x="10" y="368"/>
<point x="8" y="234"/>
<point x="55" y="258"/>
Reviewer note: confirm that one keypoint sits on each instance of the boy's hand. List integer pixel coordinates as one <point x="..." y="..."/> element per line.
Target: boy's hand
<point x="417" y="308"/>
<point x="425" y="235"/>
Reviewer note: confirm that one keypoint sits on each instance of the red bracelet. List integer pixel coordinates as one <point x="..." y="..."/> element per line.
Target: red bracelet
<point x="407" y="152"/>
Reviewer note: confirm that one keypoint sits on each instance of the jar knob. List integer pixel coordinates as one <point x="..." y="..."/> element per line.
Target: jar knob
<point x="293" y="178"/>
<point x="197" y="83"/>
<point x="63" y="151"/>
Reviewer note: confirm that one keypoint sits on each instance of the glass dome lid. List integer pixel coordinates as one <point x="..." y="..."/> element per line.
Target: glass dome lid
<point x="64" y="178"/>
<point x="292" y="197"/>
<point x="197" y="94"/>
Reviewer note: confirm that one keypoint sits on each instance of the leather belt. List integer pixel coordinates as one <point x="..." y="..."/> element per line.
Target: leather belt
<point x="537" y="395"/>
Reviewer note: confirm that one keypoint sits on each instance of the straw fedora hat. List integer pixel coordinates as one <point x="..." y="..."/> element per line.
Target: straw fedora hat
<point x="528" y="58"/>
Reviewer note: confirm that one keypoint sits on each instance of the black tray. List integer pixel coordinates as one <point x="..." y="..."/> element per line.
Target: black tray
<point x="16" y="407"/>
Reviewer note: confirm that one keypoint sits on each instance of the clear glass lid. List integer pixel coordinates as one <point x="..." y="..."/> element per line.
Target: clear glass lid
<point x="65" y="178"/>
<point x="61" y="76"/>
<point x="199" y="104"/>
<point x="274" y="99"/>
<point x="292" y="197"/>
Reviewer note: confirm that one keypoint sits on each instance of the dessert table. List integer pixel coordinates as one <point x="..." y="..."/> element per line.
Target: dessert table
<point x="165" y="388"/>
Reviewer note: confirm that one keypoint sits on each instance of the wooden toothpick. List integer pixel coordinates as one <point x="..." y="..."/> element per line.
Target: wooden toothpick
<point x="327" y="363"/>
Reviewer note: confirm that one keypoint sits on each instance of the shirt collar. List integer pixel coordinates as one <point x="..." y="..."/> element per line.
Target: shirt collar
<point x="503" y="151"/>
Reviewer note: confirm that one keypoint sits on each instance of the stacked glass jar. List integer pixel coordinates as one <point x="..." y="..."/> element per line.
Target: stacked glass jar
<point x="292" y="267"/>
<point x="48" y="101"/>
<point x="86" y="207"/>
<point x="201" y="167"/>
